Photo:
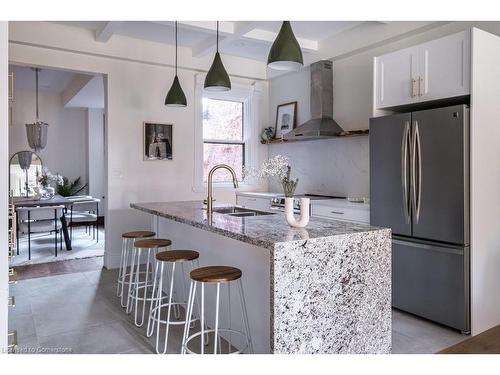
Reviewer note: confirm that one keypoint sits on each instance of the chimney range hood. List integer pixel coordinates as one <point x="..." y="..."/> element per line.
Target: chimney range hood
<point x="322" y="125"/>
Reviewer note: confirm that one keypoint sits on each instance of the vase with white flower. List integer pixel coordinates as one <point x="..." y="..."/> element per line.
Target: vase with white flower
<point x="45" y="180"/>
<point x="279" y="168"/>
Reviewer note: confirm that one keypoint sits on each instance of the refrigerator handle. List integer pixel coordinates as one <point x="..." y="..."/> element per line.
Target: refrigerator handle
<point x="404" y="169"/>
<point x="419" y="161"/>
<point x="413" y="167"/>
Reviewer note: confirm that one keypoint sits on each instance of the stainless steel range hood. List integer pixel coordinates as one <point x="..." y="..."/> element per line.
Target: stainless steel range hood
<point x="322" y="124"/>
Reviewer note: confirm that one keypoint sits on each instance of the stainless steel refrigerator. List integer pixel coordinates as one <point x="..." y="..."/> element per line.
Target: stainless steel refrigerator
<point x="419" y="187"/>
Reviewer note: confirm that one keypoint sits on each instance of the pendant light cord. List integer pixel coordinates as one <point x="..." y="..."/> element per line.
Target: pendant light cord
<point x="217" y="36"/>
<point x="176" y="48"/>
<point x="36" y="90"/>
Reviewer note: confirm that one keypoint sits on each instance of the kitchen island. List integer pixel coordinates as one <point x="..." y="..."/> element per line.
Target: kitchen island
<point x="325" y="288"/>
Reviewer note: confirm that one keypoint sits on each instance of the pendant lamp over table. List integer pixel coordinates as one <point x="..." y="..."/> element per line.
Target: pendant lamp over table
<point x="175" y="96"/>
<point x="217" y="78"/>
<point x="37" y="132"/>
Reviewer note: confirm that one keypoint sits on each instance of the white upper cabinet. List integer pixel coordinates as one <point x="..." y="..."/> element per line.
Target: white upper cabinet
<point x="396" y="74"/>
<point x="438" y="69"/>
<point x="445" y="67"/>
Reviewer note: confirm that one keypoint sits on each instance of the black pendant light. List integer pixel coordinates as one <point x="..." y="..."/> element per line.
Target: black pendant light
<point x="285" y="53"/>
<point x="175" y="96"/>
<point x="217" y="78"/>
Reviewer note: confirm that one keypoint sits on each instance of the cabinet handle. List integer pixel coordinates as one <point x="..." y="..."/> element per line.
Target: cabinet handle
<point x="251" y="199"/>
<point x="12" y="301"/>
<point x="420" y="84"/>
<point x="413" y="84"/>
<point x="337" y="212"/>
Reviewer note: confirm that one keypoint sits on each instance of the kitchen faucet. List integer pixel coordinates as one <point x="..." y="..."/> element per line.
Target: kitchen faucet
<point x="210" y="187"/>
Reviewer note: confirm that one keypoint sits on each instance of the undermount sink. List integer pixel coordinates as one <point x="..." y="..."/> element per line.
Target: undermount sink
<point x="240" y="211"/>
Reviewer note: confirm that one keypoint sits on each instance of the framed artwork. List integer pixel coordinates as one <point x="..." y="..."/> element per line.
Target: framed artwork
<point x="286" y="118"/>
<point x="157" y="141"/>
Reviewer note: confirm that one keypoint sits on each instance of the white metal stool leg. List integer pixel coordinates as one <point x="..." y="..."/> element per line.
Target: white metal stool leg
<point x="145" y="287"/>
<point x="122" y="279"/>
<point x="131" y="280"/>
<point x="245" y="317"/>
<point x="119" y="286"/>
<point x="154" y="303"/>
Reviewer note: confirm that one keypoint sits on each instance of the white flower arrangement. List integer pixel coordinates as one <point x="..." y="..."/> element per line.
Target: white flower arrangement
<point x="275" y="167"/>
<point x="47" y="178"/>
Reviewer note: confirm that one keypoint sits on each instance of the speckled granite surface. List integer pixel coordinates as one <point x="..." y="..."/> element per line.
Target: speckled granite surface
<point x="264" y="231"/>
<point x="330" y="282"/>
<point x="333" y="295"/>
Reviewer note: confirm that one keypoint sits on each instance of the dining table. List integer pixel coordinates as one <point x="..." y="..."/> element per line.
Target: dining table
<point x="56" y="200"/>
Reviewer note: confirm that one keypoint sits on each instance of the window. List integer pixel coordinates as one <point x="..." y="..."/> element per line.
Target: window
<point x="227" y="130"/>
<point x="223" y="137"/>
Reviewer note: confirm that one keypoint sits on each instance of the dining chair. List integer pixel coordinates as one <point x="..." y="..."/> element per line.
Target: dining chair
<point x="40" y="220"/>
<point x="85" y="211"/>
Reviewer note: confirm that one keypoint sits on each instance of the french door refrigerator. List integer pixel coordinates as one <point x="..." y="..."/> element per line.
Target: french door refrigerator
<point x="419" y="187"/>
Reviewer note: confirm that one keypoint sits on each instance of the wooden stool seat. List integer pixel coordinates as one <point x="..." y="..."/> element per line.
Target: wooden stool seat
<point x="215" y="274"/>
<point x="177" y="255"/>
<point x="138" y="234"/>
<point x="153" y="243"/>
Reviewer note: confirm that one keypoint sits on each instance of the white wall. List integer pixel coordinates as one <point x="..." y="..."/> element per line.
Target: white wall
<point x="96" y="161"/>
<point x="66" y="151"/>
<point x="330" y="166"/>
<point x="135" y="93"/>
<point x="4" y="189"/>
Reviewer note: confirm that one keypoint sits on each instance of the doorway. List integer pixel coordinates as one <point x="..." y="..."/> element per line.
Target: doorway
<point x="58" y="186"/>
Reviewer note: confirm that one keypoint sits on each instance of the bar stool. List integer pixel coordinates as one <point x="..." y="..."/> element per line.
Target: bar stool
<point x="128" y="239"/>
<point x="151" y="247"/>
<point x="215" y="275"/>
<point x="172" y="257"/>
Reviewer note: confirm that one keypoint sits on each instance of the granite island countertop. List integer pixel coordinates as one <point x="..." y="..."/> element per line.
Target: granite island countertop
<point x="329" y="283"/>
<point x="264" y="230"/>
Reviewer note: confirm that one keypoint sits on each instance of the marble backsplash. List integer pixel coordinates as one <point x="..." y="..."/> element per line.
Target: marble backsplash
<point x="330" y="166"/>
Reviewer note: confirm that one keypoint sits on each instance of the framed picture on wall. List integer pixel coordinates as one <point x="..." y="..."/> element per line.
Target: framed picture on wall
<point x="286" y="118"/>
<point x="157" y="141"/>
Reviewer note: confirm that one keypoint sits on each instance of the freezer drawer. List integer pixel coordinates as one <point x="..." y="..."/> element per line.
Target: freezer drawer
<point x="432" y="281"/>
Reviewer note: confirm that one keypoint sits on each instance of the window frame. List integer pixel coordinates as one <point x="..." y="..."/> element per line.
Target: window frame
<point x="246" y="94"/>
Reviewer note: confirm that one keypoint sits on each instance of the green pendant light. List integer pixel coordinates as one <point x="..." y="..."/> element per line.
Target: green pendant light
<point x="285" y="53"/>
<point x="217" y="78"/>
<point x="175" y="96"/>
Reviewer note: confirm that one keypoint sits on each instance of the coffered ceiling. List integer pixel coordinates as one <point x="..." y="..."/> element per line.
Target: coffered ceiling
<point x="249" y="39"/>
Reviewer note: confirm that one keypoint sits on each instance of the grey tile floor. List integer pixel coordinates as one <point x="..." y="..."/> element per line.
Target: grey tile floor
<point x="80" y="313"/>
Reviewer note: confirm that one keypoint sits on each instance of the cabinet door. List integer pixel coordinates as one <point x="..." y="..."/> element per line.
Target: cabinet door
<point x="395" y="73"/>
<point x="445" y="67"/>
<point x="254" y="203"/>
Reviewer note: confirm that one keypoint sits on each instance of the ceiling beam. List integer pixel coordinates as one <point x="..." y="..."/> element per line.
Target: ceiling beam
<point x="207" y="45"/>
<point x="104" y="33"/>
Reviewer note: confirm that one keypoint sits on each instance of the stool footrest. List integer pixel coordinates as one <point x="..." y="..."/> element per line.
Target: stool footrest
<point x="206" y="331"/>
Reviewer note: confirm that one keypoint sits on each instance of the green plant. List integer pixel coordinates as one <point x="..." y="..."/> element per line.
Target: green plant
<point x="69" y="188"/>
<point x="288" y="184"/>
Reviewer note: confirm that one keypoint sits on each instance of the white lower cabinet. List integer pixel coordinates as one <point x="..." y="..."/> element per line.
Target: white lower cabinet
<point x="357" y="215"/>
<point x="254" y="203"/>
